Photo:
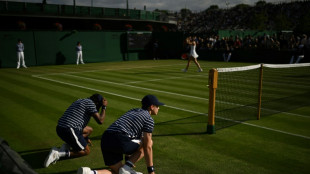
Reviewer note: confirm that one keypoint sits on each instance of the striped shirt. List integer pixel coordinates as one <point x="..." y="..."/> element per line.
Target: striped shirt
<point x="133" y="123"/>
<point x="78" y="114"/>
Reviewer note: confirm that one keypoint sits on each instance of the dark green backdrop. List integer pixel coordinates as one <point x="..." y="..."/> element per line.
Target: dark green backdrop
<point x="56" y="48"/>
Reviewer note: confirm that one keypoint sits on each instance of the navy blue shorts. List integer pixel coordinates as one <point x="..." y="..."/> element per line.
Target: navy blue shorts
<point x="72" y="137"/>
<point x="114" y="145"/>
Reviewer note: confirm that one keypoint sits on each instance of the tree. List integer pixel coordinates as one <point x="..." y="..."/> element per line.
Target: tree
<point x="259" y="21"/>
<point x="260" y="3"/>
<point x="242" y="7"/>
<point x="185" y="12"/>
<point x="213" y="7"/>
<point x="304" y="24"/>
<point x="282" y="23"/>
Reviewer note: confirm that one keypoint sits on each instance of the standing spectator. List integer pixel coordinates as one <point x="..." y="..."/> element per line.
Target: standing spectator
<point x="299" y="50"/>
<point x="72" y="128"/>
<point x="155" y="50"/>
<point x="192" y="55"/>
<point x="20" y="54"/>
<point x="79" y="54"/>
<point x="228" y="49"/>
<point x="227" y="53"/>
<point x="131" y="134"/>
<point x="237" y="43"/>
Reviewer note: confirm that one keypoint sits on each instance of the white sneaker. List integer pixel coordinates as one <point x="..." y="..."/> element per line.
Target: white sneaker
<point x="127" y="170"/>
<point x="200" y="70"/>
<point x="84" y="170"/>
<point x="52" y="157"/>
<point x="184" y="70"/>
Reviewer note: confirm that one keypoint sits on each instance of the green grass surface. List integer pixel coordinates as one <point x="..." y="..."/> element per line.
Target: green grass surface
<point x="33" y="99"/>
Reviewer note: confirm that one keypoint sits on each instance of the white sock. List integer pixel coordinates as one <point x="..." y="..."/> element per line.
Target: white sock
<point x="61" y="154"/>
<point x="64" y="153"/>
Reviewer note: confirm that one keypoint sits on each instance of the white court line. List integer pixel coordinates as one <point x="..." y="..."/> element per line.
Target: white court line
<point x="111" y="69"/>
<point x="92" y="89"/>
<point x="152" y="80"/>
<point x="171" y="93"/>
<point x="121" y="84"/>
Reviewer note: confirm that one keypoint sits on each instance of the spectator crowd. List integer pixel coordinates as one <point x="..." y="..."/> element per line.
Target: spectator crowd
<point x="275" y="42"/>
<point x="282" y="18"/>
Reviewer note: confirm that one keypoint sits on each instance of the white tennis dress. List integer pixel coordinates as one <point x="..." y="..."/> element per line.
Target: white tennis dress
<point x="193" y="51"/>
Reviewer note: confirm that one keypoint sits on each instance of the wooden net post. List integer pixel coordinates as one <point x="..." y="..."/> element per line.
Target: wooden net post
<point x="260" y="87"/>
<point x="213" y="74"/>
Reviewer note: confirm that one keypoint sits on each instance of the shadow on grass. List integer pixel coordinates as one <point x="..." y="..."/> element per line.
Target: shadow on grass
<point x="181" y="126"/>
<point x="35" y="158"/>
<point x="179" y="134"/>
<point x="74" y="171"/>
<point x="66" y="172"/>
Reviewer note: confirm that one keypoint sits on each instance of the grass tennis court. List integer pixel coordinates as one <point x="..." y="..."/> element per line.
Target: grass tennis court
<point x="33" y="99"/>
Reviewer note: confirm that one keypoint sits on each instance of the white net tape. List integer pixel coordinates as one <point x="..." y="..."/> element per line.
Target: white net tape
<point x="251" y="67"/>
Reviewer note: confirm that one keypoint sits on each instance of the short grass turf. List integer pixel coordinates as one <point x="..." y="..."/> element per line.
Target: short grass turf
<point x="33" y="99"/>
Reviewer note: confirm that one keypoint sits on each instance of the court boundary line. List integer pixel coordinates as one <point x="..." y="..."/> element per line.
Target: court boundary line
<point x="172" y="93"/>
<point x="110" y="93"/>
<point x="109" y="69"/>
<point x="126" y="84"/>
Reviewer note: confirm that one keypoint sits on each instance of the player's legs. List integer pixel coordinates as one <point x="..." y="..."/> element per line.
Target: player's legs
<point x="299" y="58"/>
<point x="114" y="145"/>
<point x="76" y="154"/>
<point x="18" y="59"/>
<point x="198" y="65"/>
<point x="86" y="133"/>
<point x="75" y="139"/>
<point x="22" y="58"/>
<point x="137" y="155"/>
<point x="292" y="59"/>
<point x="81" y="57"/>
<point x="77" y="57"/>
<point x="188" y="63"/>
<point x="114" y="169"/>
<point x="228" y="57"/>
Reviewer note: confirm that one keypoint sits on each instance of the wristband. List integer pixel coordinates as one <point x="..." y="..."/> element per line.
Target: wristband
<point x="104" y="107"/>
<point x="150" y="169"/>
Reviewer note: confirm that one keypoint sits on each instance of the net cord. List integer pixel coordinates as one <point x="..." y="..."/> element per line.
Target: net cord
<point x="251" y="67"/>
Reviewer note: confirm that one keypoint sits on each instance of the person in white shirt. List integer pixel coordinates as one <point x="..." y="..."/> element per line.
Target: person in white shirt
<point x="79" y="54"/>
<point x="20" y="54"/>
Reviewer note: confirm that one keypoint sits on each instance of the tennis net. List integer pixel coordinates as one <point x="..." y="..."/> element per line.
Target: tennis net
<point x="245" y="93"/>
